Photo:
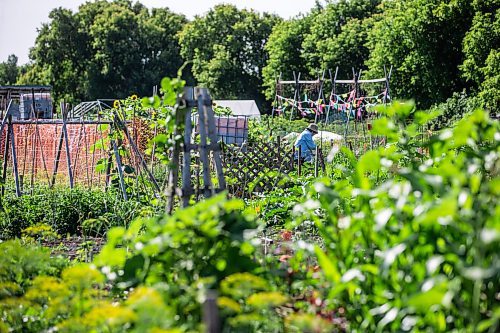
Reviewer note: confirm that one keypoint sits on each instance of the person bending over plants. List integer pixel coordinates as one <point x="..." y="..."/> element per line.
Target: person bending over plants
<point x="306" y="144"/>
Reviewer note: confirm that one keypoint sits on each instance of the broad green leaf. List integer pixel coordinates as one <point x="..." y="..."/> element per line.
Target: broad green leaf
<point x="327" y="265"/>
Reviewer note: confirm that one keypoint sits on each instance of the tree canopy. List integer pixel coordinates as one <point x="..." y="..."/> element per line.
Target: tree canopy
<point x="9" y="70"/>
<point x="285" y="51"/>
<point x="226" y="48"/>
<point x="481" y="65"/>
<point x="114" y="49"/>
<point x="106" y="50"/>
<point x="338" y="36"/>
<point x="422" y="40"/>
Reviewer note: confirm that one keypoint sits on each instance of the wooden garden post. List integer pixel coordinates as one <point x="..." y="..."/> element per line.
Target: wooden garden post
<point x="316" y="162"/>
<point x="187" y="188"/>
<point x="296" y="94"/>
<point x="173" y="175"/>
<point x="6" y="147"/>
<point x="14" y="157"/>
<point x="120" y="169"/>
<point x="203" y="146"/>
<point x="320" y="93"/>
<point x="123" y="124"/>
<point x="212" y="135"/>
<point x="299" y="161"/>
<point x="66" y="143"/>
<point x="5" y="156"/>
<point x="211" y="317"/>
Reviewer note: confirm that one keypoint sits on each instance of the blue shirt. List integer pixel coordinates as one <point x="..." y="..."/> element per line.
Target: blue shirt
<point x="306" y="144"/>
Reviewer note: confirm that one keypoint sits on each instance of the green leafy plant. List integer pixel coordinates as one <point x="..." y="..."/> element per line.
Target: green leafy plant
<point x="418" y="252"/>
<point x="64" y="210"/>
<point x="190" y="251"/>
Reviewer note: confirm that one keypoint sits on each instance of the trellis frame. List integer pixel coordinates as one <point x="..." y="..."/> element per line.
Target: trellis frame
<point x="298" y="86"/>
<point x="208" y="149"/>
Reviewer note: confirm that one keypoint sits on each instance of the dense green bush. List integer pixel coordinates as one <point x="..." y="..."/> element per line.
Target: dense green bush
<point x="193" y="250"/>
<point x="20" y="264"/>
<point x="160" y="270"/>
<point x="64" y="210"/>
<point x="454" y="109"/>
<point x="421" y="251"/>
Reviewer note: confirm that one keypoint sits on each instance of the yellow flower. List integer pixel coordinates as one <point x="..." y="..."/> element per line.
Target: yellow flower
<point x="266" y="299"/>
<point x="109" y="315"/>
<point x="82" y="276"/>
<point x="116" y="104"/>
<point x="133" y="97"/>
<point x="227" y="303"/>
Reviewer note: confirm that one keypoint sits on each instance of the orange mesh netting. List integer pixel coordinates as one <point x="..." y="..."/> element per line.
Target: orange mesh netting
<point x="37" y="147"/>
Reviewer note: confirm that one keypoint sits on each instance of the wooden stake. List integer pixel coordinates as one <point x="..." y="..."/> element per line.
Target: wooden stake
<point x="120" y="169"/>
<point x="173" y="175"/>
<point x="58" y="156"/>
<point x="207" y="183"/>
<point x="187" y="188"/>
<point x="34" y="155"/>
<point x="14" y="157"/>
<point x="5" y="156"/>
<point x="296" y="94"/>
<point x="66" y="141"/>
<point x="5" y="117"/>
<point x="316" y="162"/>
<point x="211" y="313"/>
<point x="212" y="134"/>
<point x="138" y="153"/>
<point x="299" y="161"/>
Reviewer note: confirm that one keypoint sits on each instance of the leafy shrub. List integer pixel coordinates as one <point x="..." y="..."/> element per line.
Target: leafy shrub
<point x="38" y="233"/>
<point x="64" y="210"/>
<point x="454" y="109"/>
<point x="162" y="267"/>
<point x="190" y="251"/>
<point x="419" y="252"/>
<point x="20" y="263"/>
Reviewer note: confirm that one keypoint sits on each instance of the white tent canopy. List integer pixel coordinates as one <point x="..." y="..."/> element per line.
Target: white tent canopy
<point x="241" y="107"/>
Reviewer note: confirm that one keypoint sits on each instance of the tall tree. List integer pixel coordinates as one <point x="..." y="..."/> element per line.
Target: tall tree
<point x="338" y="36"/>
<point x="285" y="51"/>
<point x="9" y="70"/>
<point x="226" y="47"/>
<point x="160" y="45"/>
<point x="422" y="39"/>
<point x="116" y="64"/>
<point x="60" y="56"/>
<point x="106" y="50"/>
<point x="482" y="52"/>
<point x="329" y="36"/>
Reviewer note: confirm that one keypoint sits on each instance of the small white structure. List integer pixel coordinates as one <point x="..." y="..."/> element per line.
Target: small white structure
<point x="241" y="107"/>
<point x="324" y="136"/>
